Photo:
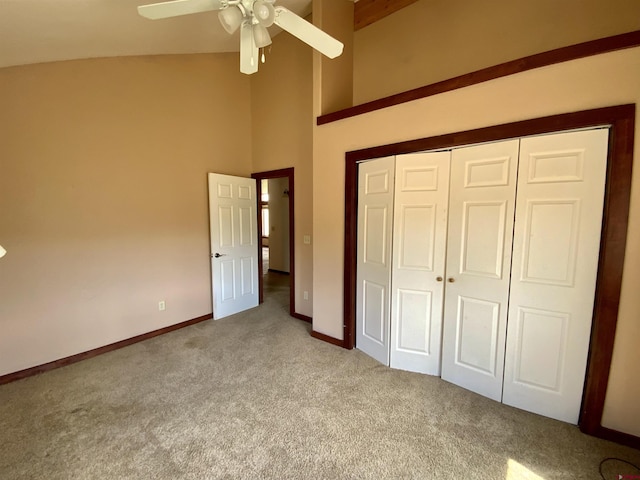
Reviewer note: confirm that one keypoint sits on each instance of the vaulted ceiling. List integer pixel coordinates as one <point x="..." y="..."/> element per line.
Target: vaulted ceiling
<point x="35" y="31"/>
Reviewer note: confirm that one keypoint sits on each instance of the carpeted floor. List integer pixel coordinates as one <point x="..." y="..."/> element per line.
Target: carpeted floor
<point x="254" y="396"/>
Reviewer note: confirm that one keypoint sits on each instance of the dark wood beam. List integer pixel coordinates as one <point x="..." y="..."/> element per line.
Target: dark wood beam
<point x="367" y="12"/>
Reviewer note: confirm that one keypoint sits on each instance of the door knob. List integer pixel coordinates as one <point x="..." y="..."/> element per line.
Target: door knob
<point x="438" y="279"/>
<point x="450" y="280"/>
<point x="218" y="255"/>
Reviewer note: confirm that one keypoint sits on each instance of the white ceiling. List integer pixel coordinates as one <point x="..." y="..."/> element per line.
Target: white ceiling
<point x="34" y="31"/>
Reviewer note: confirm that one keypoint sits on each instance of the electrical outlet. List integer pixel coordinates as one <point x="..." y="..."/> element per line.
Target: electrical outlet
<point x="162" y="306"/>
<point x="305" y="295"/>
<point x="306" y="239"/>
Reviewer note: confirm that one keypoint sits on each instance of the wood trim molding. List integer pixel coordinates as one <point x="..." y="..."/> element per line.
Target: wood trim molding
<point x="326" y="338"/>
<point x="278" y="271"/>
<point x="610" y="267"/>
<point x="559" y="55"/>
<point x="619" y="437"/>
<point x="302" y="317"/>
<point x="350" y="248"/>
<point x="289" y="173"/>
<point x="621" y="120"/>
<point x="29" y="372"/>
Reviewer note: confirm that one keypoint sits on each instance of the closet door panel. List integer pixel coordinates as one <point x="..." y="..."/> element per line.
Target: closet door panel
<point x="481" y="210"/>
<point x="482" y="238"/>
<point x="419" y="245"/>
<point x="555" y="258"/>
<point x="375" y="222"/>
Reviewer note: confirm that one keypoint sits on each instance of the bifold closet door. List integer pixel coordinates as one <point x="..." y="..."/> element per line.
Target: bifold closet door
<point x="375" y="221"/>
<point x="481" y="209"/>
<point x="555" y="260"/>
<point x="419" y="245"/>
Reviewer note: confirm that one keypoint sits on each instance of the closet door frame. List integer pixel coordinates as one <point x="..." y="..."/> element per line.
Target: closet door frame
<point x="621" y="120"/>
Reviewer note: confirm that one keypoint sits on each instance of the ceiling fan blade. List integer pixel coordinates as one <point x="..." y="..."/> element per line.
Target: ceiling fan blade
<point x="178" y="7"/>
<point x="308" y="33"/>
<point x="248" y="50"/>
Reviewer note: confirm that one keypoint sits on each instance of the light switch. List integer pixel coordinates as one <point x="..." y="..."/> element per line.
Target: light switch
<point x="306" y="239"/>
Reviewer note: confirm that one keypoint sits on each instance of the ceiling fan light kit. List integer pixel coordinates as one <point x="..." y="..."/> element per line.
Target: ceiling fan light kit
<point x="264" y="12"/>
<point x="230" y="18"/>
<point x="261" y="35"/>
<point x="252" y="17"/>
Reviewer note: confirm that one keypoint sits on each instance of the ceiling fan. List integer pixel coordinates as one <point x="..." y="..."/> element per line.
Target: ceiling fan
<point x="252" y="17"/>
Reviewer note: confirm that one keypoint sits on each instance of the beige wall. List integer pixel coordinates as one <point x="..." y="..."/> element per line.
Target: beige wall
<point x="432" y="40"/>
<point x="593" y="82"/>
<point x="279" y="225"/>
<point x="103" y="196"/>
<point x="102" y="167"/>
<point x="334" y="76"/>
<point x="281" y="103"/>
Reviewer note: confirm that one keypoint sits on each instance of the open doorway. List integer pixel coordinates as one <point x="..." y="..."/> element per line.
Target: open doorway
<point x="276" y="255"/>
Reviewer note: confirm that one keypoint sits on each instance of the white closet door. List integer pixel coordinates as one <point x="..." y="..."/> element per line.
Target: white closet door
<point x="419" y="245"/>
<point x="481" y="206"/>
<point x="555" y="260"/>
<point x="375" y="221"/>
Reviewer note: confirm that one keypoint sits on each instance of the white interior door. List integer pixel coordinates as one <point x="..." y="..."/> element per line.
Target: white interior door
<point x="555" y="260"/>
<point x="375" y="220"/>
<point x="419" y="246"/>
<point x="481" y="209"/>
<point x="234" y="244"/>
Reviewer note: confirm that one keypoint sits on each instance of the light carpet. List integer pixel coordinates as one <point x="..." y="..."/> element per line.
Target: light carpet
<point x="254" y="396"/>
